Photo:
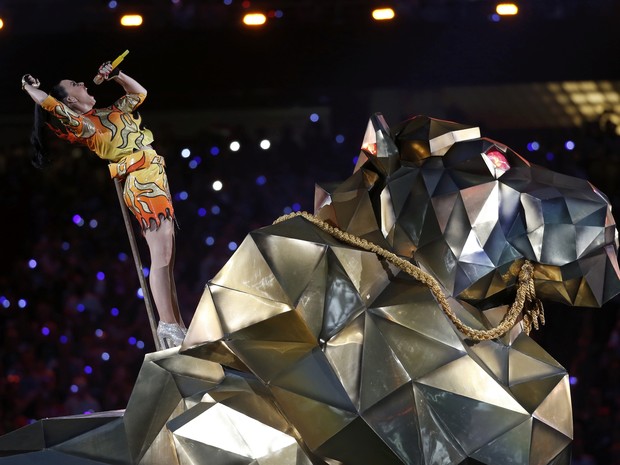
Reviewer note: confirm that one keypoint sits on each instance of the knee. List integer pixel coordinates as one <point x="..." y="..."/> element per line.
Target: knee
<point x="161" y="257"/>
<point x="161" y="251"/>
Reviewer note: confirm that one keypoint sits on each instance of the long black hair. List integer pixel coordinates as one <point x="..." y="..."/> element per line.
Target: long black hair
<point x="38" y="137"/>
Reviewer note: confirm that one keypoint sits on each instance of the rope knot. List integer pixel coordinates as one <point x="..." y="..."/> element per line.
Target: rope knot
<point x="533" y="311"/>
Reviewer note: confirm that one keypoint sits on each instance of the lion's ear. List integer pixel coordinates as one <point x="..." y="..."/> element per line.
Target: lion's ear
<point x="378" y="147"/>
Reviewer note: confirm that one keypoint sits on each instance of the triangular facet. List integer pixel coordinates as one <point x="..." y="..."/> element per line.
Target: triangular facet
<point x="397" y="412"/>
<point x="480" y="386"/>
<point x="471" y="422"/>
<point x="556" y="409"/>
<point x="292" y="275"/>
<point x="260" y="282"/>
<point x="305" y="413"/>
<point x="382" y="372"/>
<point x="418" y="354"/>
<point x="313" y="377"/>
<point x="511" y="447"/>
<point x="438" y="445"/>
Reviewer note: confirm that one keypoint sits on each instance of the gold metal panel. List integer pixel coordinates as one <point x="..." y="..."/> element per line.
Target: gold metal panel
<point x="397" y="412"/>
<point x="492" y="356"/>
<point x="270" y="358"/>
<point x="363" y="221"/>
<point x="204" y="370"/>
<point x="438" y="444"/>
<point x="25" y="439"/>
<point x="523" y="368"/>
<point x="424" y="317"/>
<point x="511" y="448"/>
<point x="48" y="457"/>
<point x="382" y="372"/>
<point x="292" y="275"/>
<point x="528" y="346"/>
<point x="327" y="419"/>
<point x="343" y="302"/>
<point x="560" y="419"/>
<point x="313" y="378"/>
<point x="238" y="309"/>
<point x="257" y="278"/>
<point x="154" y="386"/>
<point x="194" y="453"/>
<point x="229" y="430"/>
<point x="206" y="322"/>
<point x="368" y="447"/>
<point x="468" y="419"/>
<point x="418" y="354"/>
<point x="344" y="353"/>
<point x="467" y="379"/>
<point x="365" y="271"/>
<point x="311" y="303"/>
<point x="547" y="443"/>
<point x="285" y="327"/>
<point x="162" y="450"/>
<point x="106" y="444"/>
<point x="531" y="394"/>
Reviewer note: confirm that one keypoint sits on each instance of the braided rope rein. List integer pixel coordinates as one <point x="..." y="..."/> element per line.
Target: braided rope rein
<point x="525" y="300"/>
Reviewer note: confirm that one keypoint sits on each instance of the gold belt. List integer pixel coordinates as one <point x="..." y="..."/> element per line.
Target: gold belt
<point x="136" y="161"/>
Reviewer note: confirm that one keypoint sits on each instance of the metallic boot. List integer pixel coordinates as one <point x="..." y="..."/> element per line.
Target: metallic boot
<point x="170" y="334"/>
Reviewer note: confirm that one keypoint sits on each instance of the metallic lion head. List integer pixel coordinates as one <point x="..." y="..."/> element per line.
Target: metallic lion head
<point x="469" y="210"/>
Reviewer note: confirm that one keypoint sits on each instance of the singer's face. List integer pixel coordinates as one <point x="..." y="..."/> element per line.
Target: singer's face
<point x="78" y="91"/>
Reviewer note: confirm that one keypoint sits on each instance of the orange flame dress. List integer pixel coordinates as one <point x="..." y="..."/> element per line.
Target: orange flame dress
<point x="115" y="134"/>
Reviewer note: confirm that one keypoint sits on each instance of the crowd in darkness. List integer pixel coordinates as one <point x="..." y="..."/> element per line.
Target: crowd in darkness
<point x="73" y="328"/>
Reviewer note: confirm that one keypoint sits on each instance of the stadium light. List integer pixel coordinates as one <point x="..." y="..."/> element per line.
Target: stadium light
<point x="254" y="19"/>
<point x="131" y="20"/>
<point x="507" y="9"/>
<point x="383" y="14"/>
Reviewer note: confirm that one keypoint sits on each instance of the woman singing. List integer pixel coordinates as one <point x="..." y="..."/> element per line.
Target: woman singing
<point x="115" y="134"/>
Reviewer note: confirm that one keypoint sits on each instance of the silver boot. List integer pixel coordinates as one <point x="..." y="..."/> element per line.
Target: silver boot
<point x="170" y="334"/>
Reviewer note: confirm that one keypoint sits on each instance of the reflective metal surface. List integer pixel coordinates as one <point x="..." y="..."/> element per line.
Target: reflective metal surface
<point x="183" y="411"/>
<point x="304" y="350"/>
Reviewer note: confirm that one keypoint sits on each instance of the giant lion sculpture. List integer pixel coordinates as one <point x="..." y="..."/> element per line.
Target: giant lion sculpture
<point x="376" y="331"/>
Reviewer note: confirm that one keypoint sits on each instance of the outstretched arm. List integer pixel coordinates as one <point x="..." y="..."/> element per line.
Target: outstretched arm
<point x="31" y="85"/>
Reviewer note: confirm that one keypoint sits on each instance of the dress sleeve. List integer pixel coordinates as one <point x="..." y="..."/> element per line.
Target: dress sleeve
<point x="77" y="124"/>
<point x="129" y="102"/>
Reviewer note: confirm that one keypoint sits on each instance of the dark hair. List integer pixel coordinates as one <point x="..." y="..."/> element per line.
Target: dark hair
<point x="38" y="137"/>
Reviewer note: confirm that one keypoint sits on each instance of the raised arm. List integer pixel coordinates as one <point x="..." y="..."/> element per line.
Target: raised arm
<point x="128" y="83"/>
<point x="31" y="85"/>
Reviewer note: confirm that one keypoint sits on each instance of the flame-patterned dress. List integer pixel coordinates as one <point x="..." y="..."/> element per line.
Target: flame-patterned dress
<point x="115" y="134"/>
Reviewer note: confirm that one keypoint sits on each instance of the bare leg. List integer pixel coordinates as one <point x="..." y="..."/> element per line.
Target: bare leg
<point x="173" y="289"/>
<point x="161" y="278"/>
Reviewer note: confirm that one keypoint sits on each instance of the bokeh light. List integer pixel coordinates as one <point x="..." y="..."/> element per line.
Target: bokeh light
<point x="533" y="146"/>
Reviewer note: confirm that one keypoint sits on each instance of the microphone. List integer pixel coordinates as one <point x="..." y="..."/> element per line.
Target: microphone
<point x="98" y="79"/>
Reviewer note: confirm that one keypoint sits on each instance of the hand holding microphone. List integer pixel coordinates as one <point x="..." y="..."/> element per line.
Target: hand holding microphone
<point x="106" y="70"/>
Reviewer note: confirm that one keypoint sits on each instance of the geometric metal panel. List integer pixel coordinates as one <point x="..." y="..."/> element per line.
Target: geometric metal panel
<point x="307" y="350"/>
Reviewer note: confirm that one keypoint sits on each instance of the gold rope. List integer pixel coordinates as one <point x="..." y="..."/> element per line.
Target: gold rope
<point x="525" y="300"/>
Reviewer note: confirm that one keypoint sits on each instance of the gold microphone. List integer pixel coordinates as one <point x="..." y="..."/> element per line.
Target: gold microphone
<point x="98" y="79"/>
